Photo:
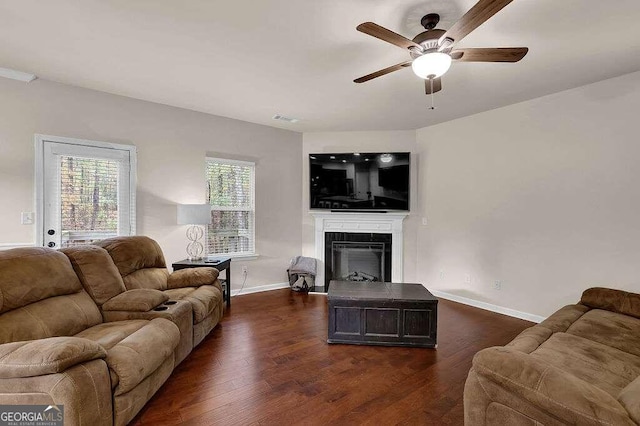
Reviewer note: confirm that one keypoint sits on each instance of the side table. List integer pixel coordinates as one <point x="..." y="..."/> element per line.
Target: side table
<point x="220" y="263"/>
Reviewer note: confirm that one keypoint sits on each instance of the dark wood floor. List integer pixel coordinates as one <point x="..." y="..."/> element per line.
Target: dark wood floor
<point x="268" y="363"/>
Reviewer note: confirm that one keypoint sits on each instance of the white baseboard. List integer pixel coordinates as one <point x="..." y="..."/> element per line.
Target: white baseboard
<point x="7" y="246"/>
<point x="488" y="306"/>
<point x="260" y="288"/>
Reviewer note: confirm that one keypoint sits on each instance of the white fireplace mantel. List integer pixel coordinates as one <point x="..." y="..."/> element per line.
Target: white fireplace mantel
<point x="379" y="223"/>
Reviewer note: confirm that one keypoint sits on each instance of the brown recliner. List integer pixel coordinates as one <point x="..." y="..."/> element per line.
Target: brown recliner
<point x="55" y="348"/>
<point x="101" y="279"/>
<point x="141" y="264"/>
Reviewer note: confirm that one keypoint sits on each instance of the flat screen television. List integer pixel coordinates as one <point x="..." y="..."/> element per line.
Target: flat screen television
<point x="359" y="181"/>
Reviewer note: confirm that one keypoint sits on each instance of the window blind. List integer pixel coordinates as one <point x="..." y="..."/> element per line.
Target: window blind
<point x="230" y="191"/>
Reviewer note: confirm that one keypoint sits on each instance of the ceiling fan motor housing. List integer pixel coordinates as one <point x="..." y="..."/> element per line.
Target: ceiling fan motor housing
<point x="428" y="40"/>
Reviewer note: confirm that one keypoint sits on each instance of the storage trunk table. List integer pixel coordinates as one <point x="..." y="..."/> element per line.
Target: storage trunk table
<point x="376" y="313"/>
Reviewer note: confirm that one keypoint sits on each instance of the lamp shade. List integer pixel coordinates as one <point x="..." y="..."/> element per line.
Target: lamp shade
<point x="194" y="214"/>
<point x="431" y="64"/>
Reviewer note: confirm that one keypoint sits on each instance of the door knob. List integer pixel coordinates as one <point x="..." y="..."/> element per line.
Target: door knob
<point x="51" y="231"/>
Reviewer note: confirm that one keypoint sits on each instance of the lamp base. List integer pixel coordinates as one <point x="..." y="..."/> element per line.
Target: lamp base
<point x="195" y="248"/>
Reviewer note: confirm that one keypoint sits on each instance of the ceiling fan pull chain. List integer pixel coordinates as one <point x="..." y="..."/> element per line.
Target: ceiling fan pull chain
<point x="432" y="102"/>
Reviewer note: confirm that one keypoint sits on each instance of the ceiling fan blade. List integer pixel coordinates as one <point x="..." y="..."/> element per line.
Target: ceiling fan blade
<point x="476" y="16"/>
<point x="437" y="85"/>
<point x="490" y="54"/>
<point x="383" y="72"/>
<point x="384" y="34"/>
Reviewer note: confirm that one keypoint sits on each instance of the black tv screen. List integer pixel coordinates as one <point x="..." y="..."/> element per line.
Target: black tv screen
<point x="359" y="181"/>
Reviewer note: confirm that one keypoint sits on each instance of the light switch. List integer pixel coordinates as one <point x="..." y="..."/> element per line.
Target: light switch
<point x="424" y="221"/>
<point x="26" y="218"/>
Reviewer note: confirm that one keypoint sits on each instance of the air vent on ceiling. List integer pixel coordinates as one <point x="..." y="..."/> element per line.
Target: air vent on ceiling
<point x="283" y="118"/>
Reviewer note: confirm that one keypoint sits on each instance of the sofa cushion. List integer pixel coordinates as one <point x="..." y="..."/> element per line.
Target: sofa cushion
<point x="630" y="399"/>
<point x="608" y="368"/>
<point x="203" y="299"/>
<point x="135" y="349"/>
<point x="97" y="272"/>
<point x="109" y="334"/>
<point x="609" y="328"/>
<point x="138" y="300"/>
<point x="55" y="316"/>
<point x="133" y="253"/>
<point x="46" y="356"/>
<point x="28" y="275"/>
<point x="153" y="278"/>
<point x="609" y="299"/>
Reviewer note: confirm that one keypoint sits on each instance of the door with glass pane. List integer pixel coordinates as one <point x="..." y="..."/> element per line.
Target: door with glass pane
<point x="87" y="192"/>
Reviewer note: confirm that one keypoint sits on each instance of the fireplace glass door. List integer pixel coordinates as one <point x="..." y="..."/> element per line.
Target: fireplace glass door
<point x="358" y="257"/>
<point x="354" y="261"/>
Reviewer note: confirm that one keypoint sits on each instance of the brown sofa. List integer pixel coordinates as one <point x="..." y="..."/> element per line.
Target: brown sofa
<point x="579" y="366"/>
<point x="96" y="331"/>
<point x="55" y="347"/>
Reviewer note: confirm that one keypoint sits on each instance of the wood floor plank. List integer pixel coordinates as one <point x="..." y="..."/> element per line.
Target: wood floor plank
<point x="268" y="363"/>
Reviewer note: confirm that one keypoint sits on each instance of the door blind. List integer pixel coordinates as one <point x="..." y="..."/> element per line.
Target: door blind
<point x="87" y="192"/>
<point x="88" y="199"/>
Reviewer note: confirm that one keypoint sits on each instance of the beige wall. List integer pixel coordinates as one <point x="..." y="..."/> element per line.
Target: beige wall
<point x="397" y="141"/>
<point x="172" y="144"/>
<point x="543" y="196"/>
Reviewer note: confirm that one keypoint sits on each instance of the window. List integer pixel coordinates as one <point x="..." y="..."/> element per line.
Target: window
<point x="85" y="191"/>
<point x="230" y="191"/>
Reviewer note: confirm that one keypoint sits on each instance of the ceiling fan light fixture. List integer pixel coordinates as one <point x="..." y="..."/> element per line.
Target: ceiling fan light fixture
<point x="431" y="65"/>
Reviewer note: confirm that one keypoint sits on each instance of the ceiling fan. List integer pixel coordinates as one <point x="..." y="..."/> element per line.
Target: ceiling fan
<point x="432" y="50"/>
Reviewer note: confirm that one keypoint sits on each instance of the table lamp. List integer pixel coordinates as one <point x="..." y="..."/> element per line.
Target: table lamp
<point x="194" y="215"/>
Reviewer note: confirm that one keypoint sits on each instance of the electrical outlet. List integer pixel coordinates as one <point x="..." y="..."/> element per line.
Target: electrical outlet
<point x="424" y="221"/>
<point x="467" y="278"/>
<point x="497" y="285"/>
<point x="442" y="274"/>
<point x="245" y="270"/>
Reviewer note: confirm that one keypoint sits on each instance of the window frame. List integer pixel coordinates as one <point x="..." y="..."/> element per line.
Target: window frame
<point x="252" y="210"/>
<point x="40" y="184"/>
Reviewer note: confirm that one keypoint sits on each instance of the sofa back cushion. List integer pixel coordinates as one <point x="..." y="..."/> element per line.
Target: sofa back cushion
<point x="618" y="301"/>
<point x="139" y="260"/>
<point x="97" y="272"/>
<point x="41" y="296"/>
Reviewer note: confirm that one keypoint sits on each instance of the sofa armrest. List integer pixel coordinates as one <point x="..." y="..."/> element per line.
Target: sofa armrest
<point x="137" y="300"/>
<point x="46" y="356"/>
<point x="553" y="390"/>
<point x="193" y="277"/>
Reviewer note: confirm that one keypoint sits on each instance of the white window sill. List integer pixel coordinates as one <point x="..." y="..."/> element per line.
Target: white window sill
<point x="247" y="256"/>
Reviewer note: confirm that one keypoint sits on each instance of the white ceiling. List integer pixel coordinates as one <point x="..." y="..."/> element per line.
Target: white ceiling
<point x="251" y="59"/>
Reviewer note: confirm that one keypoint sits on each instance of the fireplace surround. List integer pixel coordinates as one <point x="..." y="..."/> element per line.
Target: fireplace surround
<point x="360" y="222"/>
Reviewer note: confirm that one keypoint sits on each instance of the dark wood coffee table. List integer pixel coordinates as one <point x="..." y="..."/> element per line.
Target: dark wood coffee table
<point x="385" y="314"/>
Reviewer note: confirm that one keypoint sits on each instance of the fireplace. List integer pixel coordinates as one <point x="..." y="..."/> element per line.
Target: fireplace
<point x="364" y="223"/>
<point x="362" y="257"/>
